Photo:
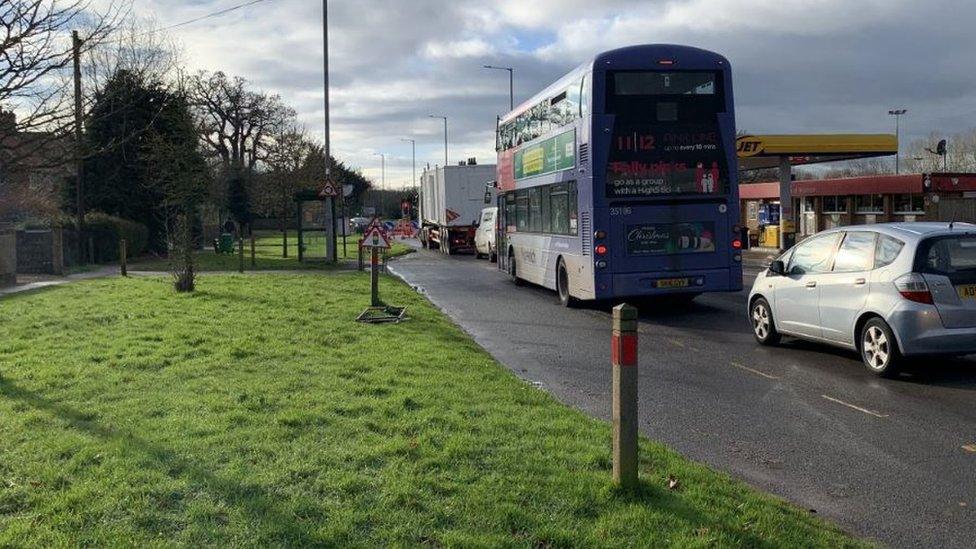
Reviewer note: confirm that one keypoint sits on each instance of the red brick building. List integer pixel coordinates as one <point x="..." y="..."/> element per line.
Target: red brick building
<point x="825" y="203"/>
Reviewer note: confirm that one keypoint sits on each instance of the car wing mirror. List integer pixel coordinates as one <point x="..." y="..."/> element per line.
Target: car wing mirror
<point x="777" y="268"/>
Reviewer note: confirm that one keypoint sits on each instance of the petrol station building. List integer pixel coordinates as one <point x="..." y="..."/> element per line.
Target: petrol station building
<point x="808" y="206"/>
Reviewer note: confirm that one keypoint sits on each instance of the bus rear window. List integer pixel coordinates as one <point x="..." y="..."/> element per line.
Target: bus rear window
<point x="663" y="83"/>
<point x="666" y="138"/>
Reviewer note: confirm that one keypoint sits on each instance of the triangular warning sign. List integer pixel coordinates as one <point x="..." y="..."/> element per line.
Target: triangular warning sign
<point x="329" y="190"/>
<point x="375" y="236"/>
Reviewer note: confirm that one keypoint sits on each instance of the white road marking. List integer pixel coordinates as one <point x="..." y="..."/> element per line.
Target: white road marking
<point x="757" y="372"/>
<point x="675" y="342"/>
<point x="853" y="407"/>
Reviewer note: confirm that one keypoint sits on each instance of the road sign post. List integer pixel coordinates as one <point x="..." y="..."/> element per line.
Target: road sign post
<point x="329" y="193"/>
<point x="624" y="359"/>
<point x="375" y="238"/>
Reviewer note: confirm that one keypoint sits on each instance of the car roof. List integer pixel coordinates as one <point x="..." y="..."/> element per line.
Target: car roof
<point x="913" y="231"/>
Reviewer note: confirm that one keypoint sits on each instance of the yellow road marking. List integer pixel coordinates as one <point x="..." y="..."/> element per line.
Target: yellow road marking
<point x="853" y="407"/>
<point x="757" y="372"/>
<point x="969" y="448"/>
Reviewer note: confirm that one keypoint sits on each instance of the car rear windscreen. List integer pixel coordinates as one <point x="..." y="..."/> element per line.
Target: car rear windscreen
<point x="952" y="256"/>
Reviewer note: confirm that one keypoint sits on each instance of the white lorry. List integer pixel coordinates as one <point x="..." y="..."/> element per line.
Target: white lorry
<point x="451" y="200"/>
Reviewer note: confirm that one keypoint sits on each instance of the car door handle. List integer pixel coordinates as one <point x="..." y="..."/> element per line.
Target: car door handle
<point x="860" y="282"/>
<point x="812" y="284"/>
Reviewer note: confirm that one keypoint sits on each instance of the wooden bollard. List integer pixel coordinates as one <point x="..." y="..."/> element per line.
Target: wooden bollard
<point x="240" y="253"/>
<point x="374" y="277"/>
<point x="624" y="358"/>
<point x="253" y="262"/>
<point x="123" y="257"/>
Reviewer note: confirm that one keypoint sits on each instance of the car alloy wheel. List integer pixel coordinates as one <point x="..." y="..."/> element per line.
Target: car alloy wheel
<point x="876" y="348"/>
<point x="761" y="320"/>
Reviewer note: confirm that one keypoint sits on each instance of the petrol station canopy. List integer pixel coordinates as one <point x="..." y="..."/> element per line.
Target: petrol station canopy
<point x="766" y="151"/>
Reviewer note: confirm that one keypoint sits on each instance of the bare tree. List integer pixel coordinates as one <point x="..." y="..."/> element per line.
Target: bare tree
<point x="235" y="122"/>
<point x="287" y="173"/>
<point x="960" y="153"/>
<point x="37" y="53"/>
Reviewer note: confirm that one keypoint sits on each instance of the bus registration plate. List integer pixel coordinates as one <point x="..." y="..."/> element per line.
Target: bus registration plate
<point x="967" y="292"/>
<point x="672" y="283"/>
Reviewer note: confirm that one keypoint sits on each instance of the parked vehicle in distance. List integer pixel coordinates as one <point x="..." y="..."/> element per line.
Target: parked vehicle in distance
<point x="451" y="199"/>
<point x="484" y="236"/>
<point x="888" y="291"/>
<point x="358" y="224"/>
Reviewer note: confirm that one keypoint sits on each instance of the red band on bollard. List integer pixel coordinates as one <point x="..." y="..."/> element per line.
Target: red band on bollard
<point x="623" y="349"/>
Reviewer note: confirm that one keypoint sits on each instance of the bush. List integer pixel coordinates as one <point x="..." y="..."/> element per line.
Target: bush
<point x="106" y="231"/>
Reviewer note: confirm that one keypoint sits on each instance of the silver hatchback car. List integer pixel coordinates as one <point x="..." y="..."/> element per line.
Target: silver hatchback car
<point x="886" y="291"/>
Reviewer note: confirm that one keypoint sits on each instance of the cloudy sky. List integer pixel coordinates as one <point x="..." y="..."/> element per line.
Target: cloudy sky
<point x="799" y="66"/>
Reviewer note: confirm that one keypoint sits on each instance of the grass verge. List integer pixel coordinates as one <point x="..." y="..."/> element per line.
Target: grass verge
<point x="255" y="412"/>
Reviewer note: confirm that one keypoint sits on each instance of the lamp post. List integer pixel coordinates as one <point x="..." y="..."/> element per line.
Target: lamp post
<point x="511" y="83"/>
<point x="413" y="153"/>
<point x="897" y="114"/>
<point x="330" y="235"/>
<point x="445" y="134"/>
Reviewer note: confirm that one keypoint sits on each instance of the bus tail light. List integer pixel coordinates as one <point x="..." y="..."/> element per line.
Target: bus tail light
<point x="600" y="249"/>
<point x="600" y="234"/>
<point x="601" y="264"/>
<point x="737" y="244"/>
<point x="914" y="288"/>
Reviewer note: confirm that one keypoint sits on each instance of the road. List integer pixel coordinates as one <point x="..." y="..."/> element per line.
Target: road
<point x="885" y="459"/>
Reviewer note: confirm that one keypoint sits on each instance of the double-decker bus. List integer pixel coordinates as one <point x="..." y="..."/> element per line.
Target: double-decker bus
<point x="620" y="179"/>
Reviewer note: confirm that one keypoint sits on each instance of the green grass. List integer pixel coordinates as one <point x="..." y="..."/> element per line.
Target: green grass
<point x="255" y="412"/>
<point x="268" y="255"/>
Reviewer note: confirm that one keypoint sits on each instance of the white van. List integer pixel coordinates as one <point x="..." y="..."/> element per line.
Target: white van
<point x="484" y="237"/>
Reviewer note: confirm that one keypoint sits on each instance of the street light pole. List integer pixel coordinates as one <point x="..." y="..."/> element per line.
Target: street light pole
<point x="413" y="152"/>
<point x="445" y="135"/>
<point x="511" y="83"/>
<point x="330" y="245"/>
<point x="897" y="114"/>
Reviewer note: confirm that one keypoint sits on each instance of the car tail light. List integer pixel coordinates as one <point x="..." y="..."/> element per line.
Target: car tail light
<point x="914" y="288"/>
<point x="600" y="249"/>
<point x="737" y="244"/>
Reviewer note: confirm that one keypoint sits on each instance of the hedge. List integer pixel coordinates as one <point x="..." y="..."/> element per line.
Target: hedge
<point x="106" y="231"/>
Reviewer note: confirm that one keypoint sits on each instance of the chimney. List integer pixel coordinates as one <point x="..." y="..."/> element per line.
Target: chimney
<point x="472" y="161"/>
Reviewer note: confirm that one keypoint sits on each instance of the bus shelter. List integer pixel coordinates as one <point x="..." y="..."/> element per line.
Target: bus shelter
<point x="756" y="152"/>
<point x="314" y="217"/>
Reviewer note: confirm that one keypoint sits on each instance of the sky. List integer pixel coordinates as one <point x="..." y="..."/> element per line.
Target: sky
<point x="799" y="66"/>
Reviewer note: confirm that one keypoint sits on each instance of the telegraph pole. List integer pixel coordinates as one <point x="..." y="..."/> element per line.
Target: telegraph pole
<point x="76" y="43"/>
<point x="330" y="235"/>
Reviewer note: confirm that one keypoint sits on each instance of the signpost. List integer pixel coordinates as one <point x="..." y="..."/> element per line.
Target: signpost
<point x="376" y="239"/>
<point x="329" y="193"/>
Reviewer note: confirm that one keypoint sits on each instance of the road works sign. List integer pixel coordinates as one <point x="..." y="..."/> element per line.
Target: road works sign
<point x="375" y="236"/>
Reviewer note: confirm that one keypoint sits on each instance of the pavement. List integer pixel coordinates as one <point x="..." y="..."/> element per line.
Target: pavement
<point x="890" y="460"/>
<point x="26" y="283"/>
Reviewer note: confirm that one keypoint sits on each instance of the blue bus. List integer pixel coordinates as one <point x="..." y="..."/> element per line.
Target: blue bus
<point x="620" y="180"/>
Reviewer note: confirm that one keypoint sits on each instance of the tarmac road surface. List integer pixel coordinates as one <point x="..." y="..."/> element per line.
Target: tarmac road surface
<point x="892" y="460"/>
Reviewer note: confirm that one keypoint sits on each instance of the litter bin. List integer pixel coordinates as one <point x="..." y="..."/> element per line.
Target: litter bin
<point x="226" y="243"/>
